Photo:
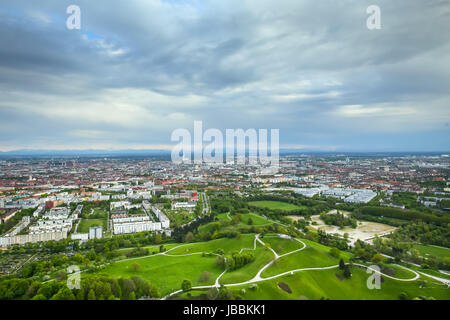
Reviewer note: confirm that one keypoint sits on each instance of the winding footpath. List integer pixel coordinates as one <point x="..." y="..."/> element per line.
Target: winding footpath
<point x="258" y="278"/>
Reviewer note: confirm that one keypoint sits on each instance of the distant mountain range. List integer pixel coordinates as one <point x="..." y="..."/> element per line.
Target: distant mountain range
<point x="82" y="153"/>
<point x="158" y="153"/>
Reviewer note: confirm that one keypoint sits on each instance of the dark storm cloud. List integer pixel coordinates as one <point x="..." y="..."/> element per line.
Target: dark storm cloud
<point x="139" y="69"/>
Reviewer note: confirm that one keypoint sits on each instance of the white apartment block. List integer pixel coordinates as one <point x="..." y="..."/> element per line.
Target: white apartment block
<point x="165" y="222"/>
<point x="33" y="238"/>
<point x="39" y="210"/>
<point x="95" y="233"/>
<point x="124" y="205"/>
<point x="134" y="224"/>
<point x="59" y="213"/>
<point x="80" y="236"/>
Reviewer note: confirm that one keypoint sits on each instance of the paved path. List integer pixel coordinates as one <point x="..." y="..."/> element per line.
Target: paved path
<point x="442" y="280"/>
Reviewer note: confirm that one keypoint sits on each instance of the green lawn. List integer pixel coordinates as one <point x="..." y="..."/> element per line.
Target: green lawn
<point x="167" y="272"/>
<point x="85" y="224"/>
<point x="223" y="216"/>
<point x="100" y="213"/>
<point x="282" y="246"/>
<point x="316" y="284"/>
<point x="227" y="245"/>
<point x="257" y="219"/>
<point x="178" y="218"/>
<point x="275" y="205"/>
<point x="314" y="255"/>
<point x="243" y="227"/>
<point x="150" y="248"/>
<point x="136" y="212"/>
<point x="430" y="272"/>
<point x="247" y="272"/>
<point x="426" y="251"/>
<point x="400" y="272"/>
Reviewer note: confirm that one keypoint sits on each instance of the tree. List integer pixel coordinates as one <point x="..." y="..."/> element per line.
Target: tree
<point x="49" y="289"/>
<point x="186" y="285"/>
<point x="91" y="295"/>
<point x="341" y="264"/>
<point x="250" y="221"/>
<point x="403" y="296"/>
<point x="128" y="286"/>
<point x="335" y="252"/>
<point x="189" y="237"/>
<point x="347" y="272"/>
<point x="132" y="296"/>
<point x="236" y="219"/>
<point x="204" y="277"/>
<point x="158" y="238"/>
<point x="64" y="294"/>
<point x="378" y="258"/>
<point x="135" y="267"/>
<point x="220" y="261"/>
<point x="80" y="295"/>
<point x="212" y="293"/>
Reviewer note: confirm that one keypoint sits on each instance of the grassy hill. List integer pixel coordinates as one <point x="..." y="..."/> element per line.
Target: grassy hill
<point x="186" y="261"/>
<point x="324" y="283"/>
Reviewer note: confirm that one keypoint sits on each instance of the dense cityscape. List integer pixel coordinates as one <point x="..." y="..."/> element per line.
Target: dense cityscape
<point x="100" y="211"/>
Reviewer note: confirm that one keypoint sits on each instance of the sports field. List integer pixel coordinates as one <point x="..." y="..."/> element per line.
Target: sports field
<point x="85" y="224"/>
<point x="275" y="205"/>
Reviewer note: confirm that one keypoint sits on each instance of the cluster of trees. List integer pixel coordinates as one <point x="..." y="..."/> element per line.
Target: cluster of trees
<point x="339" y="220"/>
<point x="331" y="241"/>
<point x="308" y="207"/>
<point x="55" y="262"/>
<point x="345" y="268"/>
<point x="364" y="252"/>
<point x="137" y="252"/>
<point x="302" y="224"/>
<point x="179" y="233"/>
<point x="409" y="199"/>
<point x="223" y="202"/>
<point x="436" y="218"/>
<point x="235" y="261"/>
<point x="221" y="293"/>
<point x="401" y="244"/>
<point x="88" y="206"/>
<point x="425" y="233"/>
<point x="444" y="204"/>
<point x="93" y="287"/>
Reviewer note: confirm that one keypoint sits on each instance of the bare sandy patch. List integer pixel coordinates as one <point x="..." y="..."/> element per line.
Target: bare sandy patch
<point x="366" y="231"/>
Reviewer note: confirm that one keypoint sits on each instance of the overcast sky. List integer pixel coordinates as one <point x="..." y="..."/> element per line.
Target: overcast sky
<point x="139" y="69"/>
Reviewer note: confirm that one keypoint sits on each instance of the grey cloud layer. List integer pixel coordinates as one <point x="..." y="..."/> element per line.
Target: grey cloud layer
<point x="139" y="69"/>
